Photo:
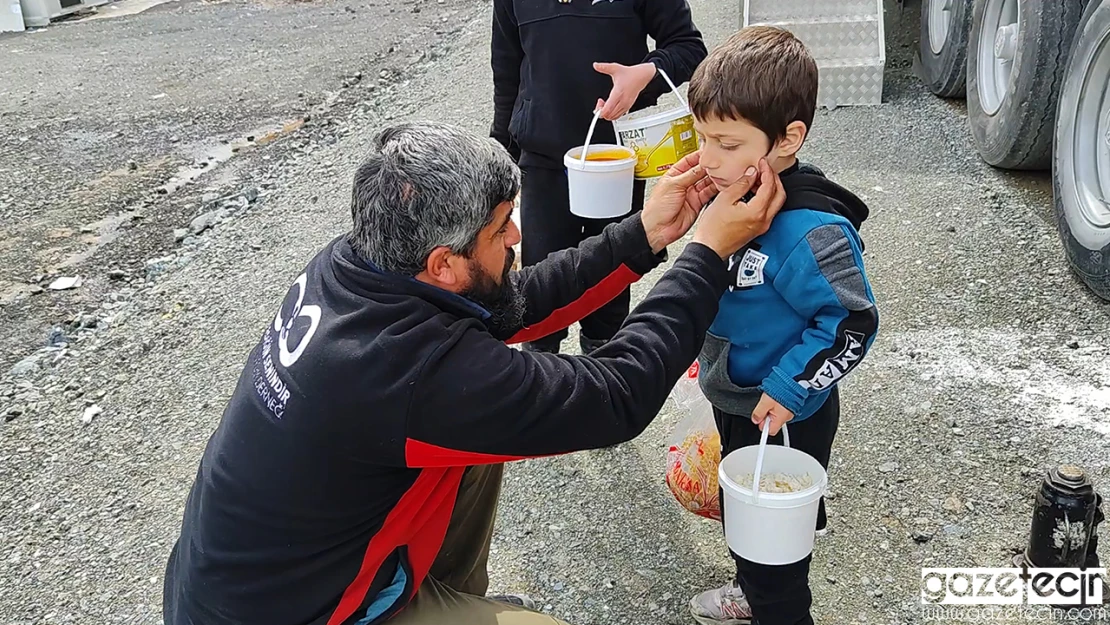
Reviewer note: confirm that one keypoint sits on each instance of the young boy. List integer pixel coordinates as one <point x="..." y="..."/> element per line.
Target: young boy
<point x="554" y="63"/>
<point x="799" y="313"/>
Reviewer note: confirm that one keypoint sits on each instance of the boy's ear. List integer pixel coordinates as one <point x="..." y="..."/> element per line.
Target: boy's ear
<point x="794" y="138"/>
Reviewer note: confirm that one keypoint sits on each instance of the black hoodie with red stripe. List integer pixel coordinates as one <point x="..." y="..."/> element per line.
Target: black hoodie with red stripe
<point x="340" y="453"/>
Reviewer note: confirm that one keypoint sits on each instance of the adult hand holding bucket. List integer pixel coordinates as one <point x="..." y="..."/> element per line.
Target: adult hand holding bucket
<point x="628" y="82"/>
<point x="773" y="528"/>
<point x="601" y="176"/>
<point x="659" y="140"/>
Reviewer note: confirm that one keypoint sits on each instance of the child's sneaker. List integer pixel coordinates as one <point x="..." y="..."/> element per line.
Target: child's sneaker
<point x="721" y="606"/>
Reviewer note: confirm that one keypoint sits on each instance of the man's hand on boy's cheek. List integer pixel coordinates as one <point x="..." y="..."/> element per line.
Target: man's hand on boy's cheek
<point x="628" y="82"/>
<point x="768" y="407"/>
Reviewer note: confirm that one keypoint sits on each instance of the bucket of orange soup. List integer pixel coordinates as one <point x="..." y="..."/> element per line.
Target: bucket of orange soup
<point x="600" y="184"/>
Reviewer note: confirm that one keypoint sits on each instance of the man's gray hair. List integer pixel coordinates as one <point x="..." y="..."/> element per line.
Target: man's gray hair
<point x="427" y="185"/>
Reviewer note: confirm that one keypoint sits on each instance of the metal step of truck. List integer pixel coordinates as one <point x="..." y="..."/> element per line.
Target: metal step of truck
<point x="846" y="37"/>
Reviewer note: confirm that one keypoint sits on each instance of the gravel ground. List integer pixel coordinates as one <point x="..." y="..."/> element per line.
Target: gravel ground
<point x="990" y="367"/>
<point x="102" y="115"/>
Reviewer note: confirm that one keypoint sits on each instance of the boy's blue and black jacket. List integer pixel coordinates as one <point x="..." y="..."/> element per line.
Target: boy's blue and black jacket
<point x="799" y="313"/>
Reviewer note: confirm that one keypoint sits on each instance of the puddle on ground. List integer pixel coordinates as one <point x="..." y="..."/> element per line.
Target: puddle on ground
<point x="100" y="233"/>
<point x="11" y="292"/>
<point x="59" y="233"/>
<point x="97" y="235"/>
<point x="212" y="156"/>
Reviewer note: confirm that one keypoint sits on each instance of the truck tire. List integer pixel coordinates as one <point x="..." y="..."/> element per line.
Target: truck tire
<point x="1081" y="163"/>
<point x="942" y="50"/>
<point x="1015" y="62"/>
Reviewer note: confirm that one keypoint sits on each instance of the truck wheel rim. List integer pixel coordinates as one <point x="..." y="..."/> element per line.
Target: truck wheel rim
<point x="998" y="44"/>
<point x="1090" y="137"/>
<point x="940" y="20"/>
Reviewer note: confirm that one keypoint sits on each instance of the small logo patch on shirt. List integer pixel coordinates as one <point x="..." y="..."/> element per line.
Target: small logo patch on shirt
<point x="750" y="271"/>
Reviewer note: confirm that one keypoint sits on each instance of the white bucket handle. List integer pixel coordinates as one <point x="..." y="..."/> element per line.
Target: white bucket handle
<point x="674" y="89"/>
<point x="589" y="135"/>
<point x="762" y="449"/>
<point x="597" y="114"/>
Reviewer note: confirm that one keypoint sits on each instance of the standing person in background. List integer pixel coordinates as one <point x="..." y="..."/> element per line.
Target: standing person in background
<point x="554" y="63"/>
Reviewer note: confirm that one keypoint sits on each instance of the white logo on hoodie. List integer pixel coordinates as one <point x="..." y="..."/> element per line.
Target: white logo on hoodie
<point x="837" y="366"/>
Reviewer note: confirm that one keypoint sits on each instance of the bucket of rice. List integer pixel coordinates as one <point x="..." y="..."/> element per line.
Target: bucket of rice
<point x="774" y="525"/>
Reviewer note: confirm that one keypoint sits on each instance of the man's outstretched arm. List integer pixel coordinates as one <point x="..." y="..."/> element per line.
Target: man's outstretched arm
<point x="570" y="284"/>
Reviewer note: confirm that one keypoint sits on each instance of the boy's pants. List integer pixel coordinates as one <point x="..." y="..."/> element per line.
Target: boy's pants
<point x="454" y="591"/>
<point x="547" y="226"/>
<point x="780" y="595"/>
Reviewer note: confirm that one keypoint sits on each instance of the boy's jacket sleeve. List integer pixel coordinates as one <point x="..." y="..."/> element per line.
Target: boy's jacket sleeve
<point x="823" y="280"/>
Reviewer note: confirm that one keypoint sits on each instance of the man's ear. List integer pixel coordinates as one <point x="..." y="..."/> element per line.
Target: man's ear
<point x="792" y="142"/>
<point x="440" y="267"/>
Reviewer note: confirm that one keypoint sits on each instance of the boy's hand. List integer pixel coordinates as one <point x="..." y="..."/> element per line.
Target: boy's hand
<point x="628" y="82"/>
<point x="768" y="407"/>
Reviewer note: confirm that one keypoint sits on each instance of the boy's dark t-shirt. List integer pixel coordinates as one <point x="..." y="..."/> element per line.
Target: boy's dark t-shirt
<point x="543" y="51"/>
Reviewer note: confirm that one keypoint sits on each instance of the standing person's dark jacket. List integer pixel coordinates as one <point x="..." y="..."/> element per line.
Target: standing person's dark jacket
<point x="334" y="470"/>
<point x="545" y="86"/>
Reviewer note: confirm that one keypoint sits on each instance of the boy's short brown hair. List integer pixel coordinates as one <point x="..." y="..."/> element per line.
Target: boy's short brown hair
<point x="763" y="75"/>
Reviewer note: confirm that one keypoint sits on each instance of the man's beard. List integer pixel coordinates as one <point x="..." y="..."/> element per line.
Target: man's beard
<point x="502" y="301"/>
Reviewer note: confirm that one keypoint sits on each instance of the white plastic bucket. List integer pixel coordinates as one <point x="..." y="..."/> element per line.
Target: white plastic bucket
<point x="770" y="528"/>
<point x="659" y="140"/>
<point x="600" y="189"/>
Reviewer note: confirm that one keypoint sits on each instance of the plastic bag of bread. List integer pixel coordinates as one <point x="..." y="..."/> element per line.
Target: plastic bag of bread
<point x="694" y="451"/>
